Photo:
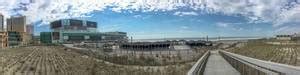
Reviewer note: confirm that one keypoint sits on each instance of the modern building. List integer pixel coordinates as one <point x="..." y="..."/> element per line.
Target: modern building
<point x="72" y="25"/>
<point x="46" y="37"/>
<point x="1" y="22"/>
<point x="14" y="38"/>
<point x="77" y="31"/>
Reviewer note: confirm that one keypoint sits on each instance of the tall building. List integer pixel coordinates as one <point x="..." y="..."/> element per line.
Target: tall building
<point x="3" y="34"/>
<point x="18" y="32"/>
<point x="1" y="22"/>
<point x="17" y="24"/>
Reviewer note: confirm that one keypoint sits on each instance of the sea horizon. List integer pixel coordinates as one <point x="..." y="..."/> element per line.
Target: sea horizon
<point x="195" y="39"/>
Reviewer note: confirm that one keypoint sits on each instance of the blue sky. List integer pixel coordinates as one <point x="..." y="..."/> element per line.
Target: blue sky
<point x="168" y="25"/>
<point x="167" y="19"/>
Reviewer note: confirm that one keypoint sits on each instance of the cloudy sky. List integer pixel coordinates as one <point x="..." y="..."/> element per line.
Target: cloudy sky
<point x="166" y="18"/>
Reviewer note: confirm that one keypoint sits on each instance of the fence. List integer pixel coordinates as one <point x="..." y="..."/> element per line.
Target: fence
<point x="248" y="68"/>
<point x="199" y="66"/>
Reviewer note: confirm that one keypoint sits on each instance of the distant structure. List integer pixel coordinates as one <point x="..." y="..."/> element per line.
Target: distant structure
<point x="296" y="37"/>
<point x="146" y="46"/>
<point x="284" y="37"/>
<point x="77" y="31"/>
<point x="198" y="43"/>
<point x="30" y="29"/>
<point x="16" y="24"/>
<point x="1" y="22"/>
<point x="3" y="34"/>
<point x="16" y="33"/>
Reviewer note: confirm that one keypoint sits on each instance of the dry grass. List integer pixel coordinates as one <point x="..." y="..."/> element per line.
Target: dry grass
<point x="286" y="54"/>
<point x="56" y="60"/>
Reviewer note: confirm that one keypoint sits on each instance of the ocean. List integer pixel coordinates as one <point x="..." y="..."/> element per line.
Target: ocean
<point x="195" y="39"/>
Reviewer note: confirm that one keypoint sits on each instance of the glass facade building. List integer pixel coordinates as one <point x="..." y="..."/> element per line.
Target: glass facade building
<point x="76" y="31"/>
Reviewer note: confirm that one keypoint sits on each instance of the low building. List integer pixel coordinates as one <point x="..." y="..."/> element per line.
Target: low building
<point x="146" y="46"/>
<point x="46" y="37"/>
<point x="77" y="37"/>
<point x="198" y="43"/>
<point x="3" y="39"/>
<point x="91" y="37"/>
<point x="284" y="37"/>
<point x="14" y="39"/>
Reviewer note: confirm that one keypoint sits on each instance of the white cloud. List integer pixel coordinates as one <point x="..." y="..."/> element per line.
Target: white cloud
<point x="289" y="16"/>
<point x="230" y="26"/>
<point x="137" y="16"/>
<point x="185" y="13"/>
<point x="288" y="29"/>
<point x="221" y="24"/>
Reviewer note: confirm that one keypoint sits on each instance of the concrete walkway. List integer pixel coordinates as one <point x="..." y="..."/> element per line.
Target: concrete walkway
<point x="217" y="65"/>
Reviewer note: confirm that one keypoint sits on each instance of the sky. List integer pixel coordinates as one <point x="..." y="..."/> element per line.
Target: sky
<point x="144" y="19"/>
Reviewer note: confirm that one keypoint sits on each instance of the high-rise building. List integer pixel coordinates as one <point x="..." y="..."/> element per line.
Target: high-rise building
<point x="3" y="34"/>
<point x="17" y="31"/>
<point x="1" y="22"/>
<point x="17" y="24"/>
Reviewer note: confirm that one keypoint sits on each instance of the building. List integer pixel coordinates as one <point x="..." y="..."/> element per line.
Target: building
<point x="146" y="46"/>
<point x="284" y="37"/>
<point x="18" y="33"/>
<point x="17" y="24"/>
<point x="114" y="36"/>
<point x="1" y="22"/>
<point x="72" y="25"/>
<point x="46" y="37"/>
<point x="3" y="34"/>
<point x="14" y="39"/>
<point x="29" y="34"/>
<point x="3" y="39"/>
<point x="77" y="31"/>
<point x="198" y="43"/>
<point x="30" y="29"/>
<point x="91" y="37"/>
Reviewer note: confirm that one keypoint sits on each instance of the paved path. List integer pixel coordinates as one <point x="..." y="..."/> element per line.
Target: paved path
<point x="217" y="65"/>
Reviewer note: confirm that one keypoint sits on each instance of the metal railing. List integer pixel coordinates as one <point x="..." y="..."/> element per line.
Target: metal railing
<point x="247" y="68"/>
<point x="199" y="67"/>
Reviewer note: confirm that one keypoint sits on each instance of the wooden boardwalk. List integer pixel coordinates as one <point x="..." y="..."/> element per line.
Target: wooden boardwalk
<point x="217" y="65"/>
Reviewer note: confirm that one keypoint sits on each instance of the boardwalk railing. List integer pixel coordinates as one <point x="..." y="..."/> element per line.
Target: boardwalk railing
<point x="199" y="66"/>
<point x="250" y="66"/>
